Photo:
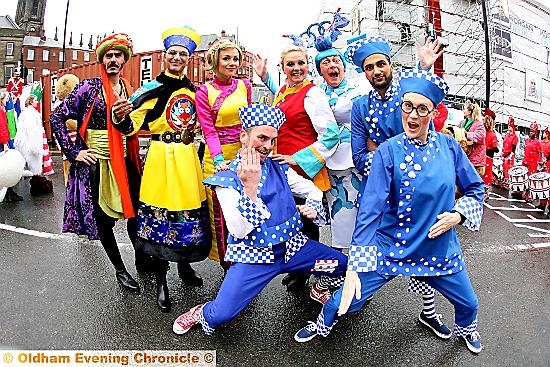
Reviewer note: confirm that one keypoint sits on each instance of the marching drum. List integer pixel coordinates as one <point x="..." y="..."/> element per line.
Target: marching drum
<point x="518" y="178"/>
<point x="539" y="185"/>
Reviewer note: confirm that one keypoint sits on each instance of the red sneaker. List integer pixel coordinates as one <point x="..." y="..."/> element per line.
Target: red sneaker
<point x="319" y="294"/>
<point x="186" y="321"/>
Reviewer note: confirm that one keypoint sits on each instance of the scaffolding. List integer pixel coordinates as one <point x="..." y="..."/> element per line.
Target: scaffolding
<point x="405" y="22"/>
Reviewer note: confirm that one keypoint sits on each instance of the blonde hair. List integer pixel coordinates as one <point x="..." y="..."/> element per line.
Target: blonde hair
<point x="475" y="110"/>
<point x="30" y="99"/>
<point x="290" y="49"/>
<point x="213" y="53"/>
<point x="489" y="123"/>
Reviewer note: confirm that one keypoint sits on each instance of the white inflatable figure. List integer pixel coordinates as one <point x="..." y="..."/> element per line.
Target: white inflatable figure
<point x="12" y="168"/>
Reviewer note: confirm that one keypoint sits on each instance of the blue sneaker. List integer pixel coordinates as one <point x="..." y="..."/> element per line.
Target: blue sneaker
<point x="473" y="342"/>
<point x="306" y="333"/>
<point x="436" y="325"/>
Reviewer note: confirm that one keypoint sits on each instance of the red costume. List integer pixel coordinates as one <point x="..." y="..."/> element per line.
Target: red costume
<point x="15" y="87"/>
<point x="491" y="147"/>
<point x="545" y="144"/>
<point x="4" y="132"/>
<point x="532" y="154"/>
<point x="508" y="150"/>
<point x="442" y="114"/>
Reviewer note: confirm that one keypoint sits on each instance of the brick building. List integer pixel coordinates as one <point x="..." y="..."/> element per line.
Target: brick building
<point x="24" y="46"/>
<point x="11" y="43"/>
<point x="198" y="72"/>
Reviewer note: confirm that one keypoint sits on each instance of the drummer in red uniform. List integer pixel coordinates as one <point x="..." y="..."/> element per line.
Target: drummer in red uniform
<point x="509" y="151"/>
<point x="545" y="144"/>
<point x="532" y="153"/>
<point x="491" y="147"/>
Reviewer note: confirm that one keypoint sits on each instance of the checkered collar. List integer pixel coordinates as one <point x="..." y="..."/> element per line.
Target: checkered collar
<point x="418" y="143"/>
<point x="390" y="93"/>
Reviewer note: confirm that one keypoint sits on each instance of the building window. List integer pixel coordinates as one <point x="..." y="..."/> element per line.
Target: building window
<point x="30" y="55"/>
<point x="45" y="55"/>
<point x="30" y="76"/>
<point x="75" y="55"/>
<point x="86" y="56"/>
<point x="61" y="56"/>
<point x="8" y="73"/>
<point x="9" y="49"/>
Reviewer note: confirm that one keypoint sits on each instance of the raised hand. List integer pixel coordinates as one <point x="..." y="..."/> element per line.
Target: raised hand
<point x="428" y="53"/>
<point x="249" y="171"/>
<point x="260" y="66"/>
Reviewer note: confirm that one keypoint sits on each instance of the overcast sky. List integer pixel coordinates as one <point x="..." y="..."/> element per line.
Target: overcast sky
<point x="259" y="24"/>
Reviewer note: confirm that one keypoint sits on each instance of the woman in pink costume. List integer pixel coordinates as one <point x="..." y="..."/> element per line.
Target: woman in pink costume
<point x="217" y="103"/>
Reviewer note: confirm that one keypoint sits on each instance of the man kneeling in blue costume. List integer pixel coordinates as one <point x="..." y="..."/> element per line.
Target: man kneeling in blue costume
<point x="256" y="196"/>
<point x="406" y="219"/>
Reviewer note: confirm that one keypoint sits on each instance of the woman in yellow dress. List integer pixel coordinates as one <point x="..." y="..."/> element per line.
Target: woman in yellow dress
<point x="217" y="104"/>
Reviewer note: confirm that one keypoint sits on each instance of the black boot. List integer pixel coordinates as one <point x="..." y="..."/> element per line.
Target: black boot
<point x="11" y="196"/>
<point x="188" y="275"/>
<point x="295" y="281"/>
<point x="163" y="298"/>
<point x="40" y="186"/>
<point x="125" y="279"/>
<point x="145" y="263"/>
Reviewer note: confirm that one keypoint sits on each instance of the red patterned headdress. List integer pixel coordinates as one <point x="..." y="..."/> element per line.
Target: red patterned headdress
<point x="511" y="123"/>
<point x="118" y="41"/>
<point x="534" y="127"/>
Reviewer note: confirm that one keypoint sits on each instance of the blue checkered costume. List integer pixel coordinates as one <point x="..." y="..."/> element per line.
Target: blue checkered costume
<point x="274" y="246"/>
<point x="396" y="214"/>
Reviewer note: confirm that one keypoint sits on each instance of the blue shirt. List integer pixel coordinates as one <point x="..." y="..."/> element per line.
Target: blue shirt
<point x="409" y="186"/>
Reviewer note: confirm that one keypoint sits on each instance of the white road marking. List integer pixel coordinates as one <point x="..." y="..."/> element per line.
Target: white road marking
<point x="31" y="232"/>
<point x="53" y="236"/>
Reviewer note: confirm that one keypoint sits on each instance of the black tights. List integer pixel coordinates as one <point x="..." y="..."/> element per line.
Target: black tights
<point x="105" y="223"/>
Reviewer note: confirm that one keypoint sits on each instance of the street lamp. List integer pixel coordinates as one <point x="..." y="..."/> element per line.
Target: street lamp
<point x="65" y="34"/>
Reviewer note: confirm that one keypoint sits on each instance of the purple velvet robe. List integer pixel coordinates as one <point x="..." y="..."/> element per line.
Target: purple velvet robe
<point x="79" y="209"/>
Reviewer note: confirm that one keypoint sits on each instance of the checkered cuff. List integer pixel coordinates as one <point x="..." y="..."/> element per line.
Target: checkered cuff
<point x="322" y="328"/>
<point x="321" y="218"/>
<point x="205" y="327"/>
<point x="254" y="212"/>
<point x="472" y="210"/>
<point x="368" y="163"/>
<point x="362" y="259"/>
<point x="419" y="287"/>
<point x="465" y="330"/>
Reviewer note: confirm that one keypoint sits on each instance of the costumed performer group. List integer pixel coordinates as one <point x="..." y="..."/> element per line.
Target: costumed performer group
<point x="375" y="154"/>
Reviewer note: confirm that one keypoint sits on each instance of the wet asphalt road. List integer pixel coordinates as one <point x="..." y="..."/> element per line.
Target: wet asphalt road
<point x="61" y="293"/>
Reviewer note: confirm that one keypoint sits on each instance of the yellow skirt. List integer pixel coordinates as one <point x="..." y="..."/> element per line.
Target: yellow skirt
<point x="172" y="177"/>
<point x="217" y="252"/>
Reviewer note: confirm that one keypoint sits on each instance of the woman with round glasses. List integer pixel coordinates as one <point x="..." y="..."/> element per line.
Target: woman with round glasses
<point x="407" y="214"/>
<point x="218" y="102"/>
